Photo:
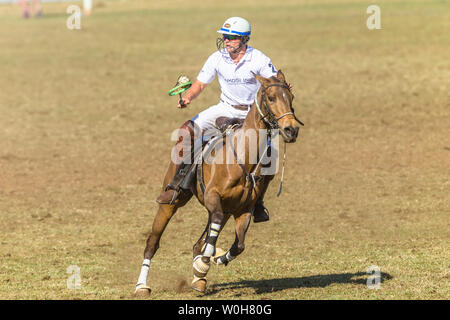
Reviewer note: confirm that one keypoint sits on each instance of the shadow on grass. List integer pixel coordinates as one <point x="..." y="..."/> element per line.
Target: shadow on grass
<point x="317" y="281"/>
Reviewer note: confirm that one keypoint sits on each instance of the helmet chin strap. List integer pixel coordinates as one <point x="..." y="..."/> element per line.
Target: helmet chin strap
<point x="242" y="43"/>
<point x="239" y="48"/>
<point x="221" y="45"/>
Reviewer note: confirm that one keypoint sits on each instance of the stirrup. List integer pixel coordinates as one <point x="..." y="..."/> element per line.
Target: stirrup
<point x="263" y="214"/>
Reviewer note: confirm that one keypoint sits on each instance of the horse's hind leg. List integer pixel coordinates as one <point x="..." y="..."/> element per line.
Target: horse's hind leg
<point x="165" y="213"/>
<point x="199" y="245"/>
<point x="241" y="226"/>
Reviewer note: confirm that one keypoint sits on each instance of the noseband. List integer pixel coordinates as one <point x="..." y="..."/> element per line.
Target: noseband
<point x="269" y="118"/>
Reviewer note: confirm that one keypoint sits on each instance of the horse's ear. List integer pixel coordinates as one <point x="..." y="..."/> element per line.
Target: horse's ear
<point x="261" y="80"/>
<point x="280" y="76"/>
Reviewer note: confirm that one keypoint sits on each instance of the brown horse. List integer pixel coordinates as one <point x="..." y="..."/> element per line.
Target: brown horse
<point x="229" y="189"/>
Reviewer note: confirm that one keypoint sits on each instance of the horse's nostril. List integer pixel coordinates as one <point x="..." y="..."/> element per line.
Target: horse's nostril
<point x="289" y="131"/>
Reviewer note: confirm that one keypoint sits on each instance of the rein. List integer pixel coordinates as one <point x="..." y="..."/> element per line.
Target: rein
<point x="271" y="123"/>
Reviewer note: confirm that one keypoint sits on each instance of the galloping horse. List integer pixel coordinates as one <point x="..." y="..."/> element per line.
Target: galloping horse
<point x="228" y="189"/>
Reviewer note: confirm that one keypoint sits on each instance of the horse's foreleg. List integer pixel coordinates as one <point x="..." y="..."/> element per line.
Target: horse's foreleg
<point x="241" y="226"/>
<point x="165" y="213"/>
<point x="199" y="246"/>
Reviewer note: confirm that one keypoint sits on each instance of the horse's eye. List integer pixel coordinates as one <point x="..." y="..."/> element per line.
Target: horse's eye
<point x="271" y="99"/>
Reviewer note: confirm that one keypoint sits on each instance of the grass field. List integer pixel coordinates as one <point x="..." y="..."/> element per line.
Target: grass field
<point x="85" y="124"/>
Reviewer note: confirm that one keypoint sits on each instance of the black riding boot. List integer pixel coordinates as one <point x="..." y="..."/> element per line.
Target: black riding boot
<point x="181" y="181"/>
<point x="185" y="172"/>
<point x="260" y="212"/>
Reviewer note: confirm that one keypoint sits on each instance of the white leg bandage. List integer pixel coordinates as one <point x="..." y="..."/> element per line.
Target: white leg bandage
<point x="225" y="259"/>
<point x="144" y="272"/>
<point x="209" y="250"/>
<point x="229" y="256"/>
<point x="213" y="233"/>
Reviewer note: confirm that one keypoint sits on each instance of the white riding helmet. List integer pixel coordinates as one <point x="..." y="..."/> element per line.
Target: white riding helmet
<point x="236" y="26"/>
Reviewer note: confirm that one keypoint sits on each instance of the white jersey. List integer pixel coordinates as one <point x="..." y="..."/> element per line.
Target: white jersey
<point x="237" y="82"/>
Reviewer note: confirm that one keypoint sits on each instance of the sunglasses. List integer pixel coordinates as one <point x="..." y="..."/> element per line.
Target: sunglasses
<point x="230" y="37"/>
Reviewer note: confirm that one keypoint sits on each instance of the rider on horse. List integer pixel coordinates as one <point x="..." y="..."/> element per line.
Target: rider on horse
<point x="235" y="64"/>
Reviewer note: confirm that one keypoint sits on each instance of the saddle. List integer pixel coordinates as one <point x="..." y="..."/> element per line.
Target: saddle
<point x="224" y="123"/>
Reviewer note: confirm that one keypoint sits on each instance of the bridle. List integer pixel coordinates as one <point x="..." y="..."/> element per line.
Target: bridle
<point x="271" y="122"/>
<point x="269" y="118"/>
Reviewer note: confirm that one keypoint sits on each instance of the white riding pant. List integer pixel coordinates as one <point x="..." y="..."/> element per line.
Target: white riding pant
<point x="206" y="119"/>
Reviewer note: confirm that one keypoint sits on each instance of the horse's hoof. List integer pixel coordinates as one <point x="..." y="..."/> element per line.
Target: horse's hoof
<point x="142" y="291"/>
<point x="199" y="284"/>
